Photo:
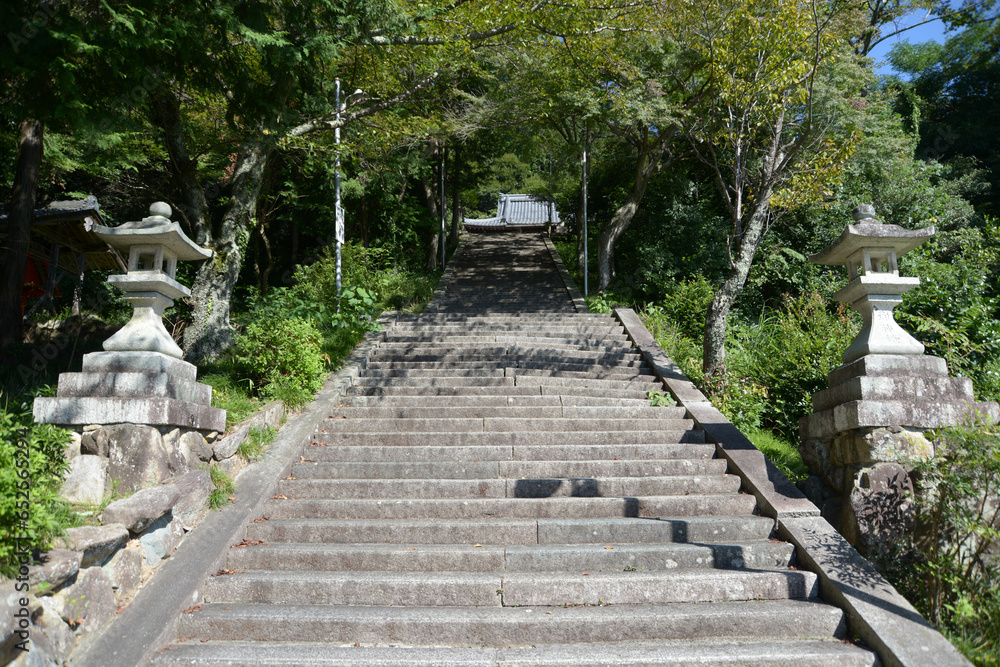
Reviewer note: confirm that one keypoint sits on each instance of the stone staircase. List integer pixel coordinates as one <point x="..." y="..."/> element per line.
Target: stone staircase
<point x="497" y="489"/>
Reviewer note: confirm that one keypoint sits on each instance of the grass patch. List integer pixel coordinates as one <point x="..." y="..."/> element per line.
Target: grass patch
<point x="257" y="440"/>
<point x="231" y="395"/>
<point x="225" y="487"/>
<point x="785" y="455"/>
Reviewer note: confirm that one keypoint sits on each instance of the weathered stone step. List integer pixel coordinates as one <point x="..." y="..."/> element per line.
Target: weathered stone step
<point x="510" y="412"/>
<point x="503" y="361"/>
<point x="524" y="389"/>
<point x="580" y="487"/>
<point x="523" y="438"/>
<point x="691" y="529"/>
<point x="499" y="381"/>
<point x="318" y="452"/>
<point x="512" y="338"/>
<point x="700" y="505"/>
<point x="541" y="328"/>
<point x="502" y="424"/>
<point x="730" y="652"/>
<point x="398" y="372"/>
<point x="641" y="382"/>
<point x="532" y="400"/>
<point x="608" y="374"/>
<point x="505" y="626"/>
<point x="486" y="469"/>
<point x="597" y="373"/>
<point x="764" y="554"/>
<point x="513" y="345"/>
<point x="509" y="589"/>
<point x="508" y="355"/>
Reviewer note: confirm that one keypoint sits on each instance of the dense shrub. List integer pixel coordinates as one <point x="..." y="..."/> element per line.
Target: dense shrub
<point x="949" y="568"/>
<point x="282" y="357"/>
<point x="44" y="515"/>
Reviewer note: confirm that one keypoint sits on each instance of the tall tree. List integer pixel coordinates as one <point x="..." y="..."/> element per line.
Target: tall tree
<point x="773" y="130"/>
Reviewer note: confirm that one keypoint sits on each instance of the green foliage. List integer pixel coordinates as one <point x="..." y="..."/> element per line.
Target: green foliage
<point x="356" y="309"/>
<point x="777" y="363"/>
<point x="948" y="570"/>
<point x="782" y="453"/>
<point x="258" y="438"/>
<point x="659" y="399"/>
<point x="282" y="358"/>
<point x="30" y="505"/>
<point x="231" y="395"/>
<point x="225" y="487"/>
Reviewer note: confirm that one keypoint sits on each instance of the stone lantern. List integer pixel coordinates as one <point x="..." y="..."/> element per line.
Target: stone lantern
<point x="140" y="378"/>
<point x="870" y="250"/>
<point x="885" y="396"/>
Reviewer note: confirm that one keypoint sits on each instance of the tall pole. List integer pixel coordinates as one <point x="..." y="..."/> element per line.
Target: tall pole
<point x="586" y="270"/>
<point x="443" y="244"/>
<point x="338" y="209"/>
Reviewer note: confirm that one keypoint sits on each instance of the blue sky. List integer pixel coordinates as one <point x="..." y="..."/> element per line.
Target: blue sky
<point x="925" y="33"/>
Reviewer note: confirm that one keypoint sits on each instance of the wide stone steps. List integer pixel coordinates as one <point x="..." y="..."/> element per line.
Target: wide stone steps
<point x="510" y="438"/>
<point x="562" y="504"/>
<point x="496" y="626"/>
<point x="479" y="469"/>
<point x="511" y="589"/>
<point x="510" y="412"/>
<point x="367" y="454"/>
<point x="734" y="652"/>
<point x="515" y="531"/>
<point x="497" y="489"/>
<point x="621" y="557"/>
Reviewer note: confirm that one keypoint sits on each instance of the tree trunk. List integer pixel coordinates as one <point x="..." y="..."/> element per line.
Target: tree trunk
<point x="210" y="331"/>
<point x="22" y="209"/>
<point x="192" y="204"/>
<point x="647" y="165"/>
<point x="716" y="319"/>
<point x="427" y="190"/>
<point x="456" y="215"/>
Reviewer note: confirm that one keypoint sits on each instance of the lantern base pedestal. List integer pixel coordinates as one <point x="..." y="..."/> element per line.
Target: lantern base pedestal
<point x="872" y="418"/>
<point x="132" y="388"/>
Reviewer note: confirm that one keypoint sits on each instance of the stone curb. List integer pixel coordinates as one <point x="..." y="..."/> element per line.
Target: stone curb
<point x="150" y="621"/>
<point x="574" y="292"/>
<point x="875" y="610"/>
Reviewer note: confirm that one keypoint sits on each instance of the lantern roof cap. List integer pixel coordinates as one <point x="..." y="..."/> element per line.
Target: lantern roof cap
<point x="868" y="232"/>
<point x="155" y="229"/>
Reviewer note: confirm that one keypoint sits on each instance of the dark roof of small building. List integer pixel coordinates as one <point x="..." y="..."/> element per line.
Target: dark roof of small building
<point x="69" y="224"/>
<point x="517" y="211"/>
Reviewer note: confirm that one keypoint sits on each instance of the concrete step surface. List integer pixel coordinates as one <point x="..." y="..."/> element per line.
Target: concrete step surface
<point x="497" y="489"/>
<point x="695" y="505"/>
<point x="513" y="531"/>
<point x="497" y="626"/>
<point x="735" y="652"/>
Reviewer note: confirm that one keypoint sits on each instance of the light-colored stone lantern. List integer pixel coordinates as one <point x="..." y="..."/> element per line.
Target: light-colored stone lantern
<point x="885" y="396"/>
<point x="153" y="245"/>
<point x="870" y="250"/>
<point x="141" y="377"/>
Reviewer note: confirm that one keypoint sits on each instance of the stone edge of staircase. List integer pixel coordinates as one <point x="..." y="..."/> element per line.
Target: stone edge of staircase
<point x="876" y="611"/>
<point x="579" y="303"/>
<point x="150" y="622"/>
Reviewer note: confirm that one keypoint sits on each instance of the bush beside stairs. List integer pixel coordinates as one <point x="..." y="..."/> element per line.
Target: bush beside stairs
<point x="496" y="489"/>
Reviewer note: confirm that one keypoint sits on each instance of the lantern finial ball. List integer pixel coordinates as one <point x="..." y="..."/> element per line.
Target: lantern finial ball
<point x="865" y="214"/>
<point x="160" y="208"/>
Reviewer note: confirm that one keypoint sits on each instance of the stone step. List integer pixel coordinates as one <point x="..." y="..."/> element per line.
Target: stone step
<point x="508" y="355"/>
<point x="524" y="389"/>
<point x="502" y="424"/>
<point x="318" y="452"/>
<point x="730" y="652"/>
<point x="506" y="626"/>
<point x="642" y="382"/>
<point x="579" y="487"/>
<point x="397" y="372"/>
<point x="523" y="438"/>
<point x="486" y="469"/>
<point x="434" y="382"/>
<point x="619" y="557"/>
<point x="512" y="338"/>
<point x="513" y="345"/>
<point x="700" y="505"/>
<point x="504" y="361"/>
<point x="533" y="400"/>
<point x="510" y="412"/>
<point x="509" y="589"/>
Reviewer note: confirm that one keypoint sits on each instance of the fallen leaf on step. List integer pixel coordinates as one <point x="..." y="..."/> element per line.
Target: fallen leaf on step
<point x="410" y="549"/>
<point x="477" y="545"/>
<point x="609" y="547"/>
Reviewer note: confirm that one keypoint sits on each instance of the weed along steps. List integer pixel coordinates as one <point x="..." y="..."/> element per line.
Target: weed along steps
<point x="497" y="488"/>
